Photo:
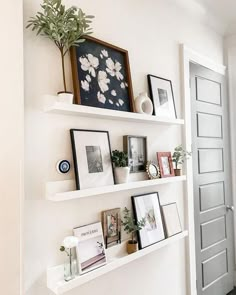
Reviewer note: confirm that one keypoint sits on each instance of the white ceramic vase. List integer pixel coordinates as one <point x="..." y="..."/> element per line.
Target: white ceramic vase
<point x="65" y="97"/>
<point x="143" y="104"/>
<point x="122" y="174"/>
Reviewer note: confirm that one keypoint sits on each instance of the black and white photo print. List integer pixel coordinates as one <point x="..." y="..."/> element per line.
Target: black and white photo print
<point x="92" y="158"/>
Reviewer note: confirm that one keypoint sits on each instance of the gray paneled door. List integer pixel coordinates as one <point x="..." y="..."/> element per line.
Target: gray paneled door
<point x="212" y="184"/>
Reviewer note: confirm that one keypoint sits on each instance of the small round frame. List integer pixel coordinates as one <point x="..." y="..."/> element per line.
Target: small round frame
<point x="153" y="170"/>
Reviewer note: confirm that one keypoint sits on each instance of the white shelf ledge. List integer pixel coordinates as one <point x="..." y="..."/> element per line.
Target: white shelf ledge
<point x="56" y="283"/>
<point x="52" y="106"/>
<point x="65" y="190"/>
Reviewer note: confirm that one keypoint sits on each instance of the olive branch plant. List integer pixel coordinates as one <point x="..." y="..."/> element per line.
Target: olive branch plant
<point x="64" y="27"/>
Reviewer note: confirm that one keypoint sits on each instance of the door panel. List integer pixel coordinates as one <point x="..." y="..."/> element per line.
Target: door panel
<point x="212" y="187"/>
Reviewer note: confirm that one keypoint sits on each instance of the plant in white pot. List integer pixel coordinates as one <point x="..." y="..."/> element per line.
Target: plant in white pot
<point x="178" y="157"/>
<point x="70" y="267"/>
<point x="65" y="28"/>
<point x="120" y="161"/>
<point x="131" y="227"/>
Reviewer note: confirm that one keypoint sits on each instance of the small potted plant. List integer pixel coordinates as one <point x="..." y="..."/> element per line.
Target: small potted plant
<point x="65" y="28"/>
<point x="70" y="267"/>
<point x="131" y="227"/>
<point x="120" y="161"/>
<point x="178" y="157"/>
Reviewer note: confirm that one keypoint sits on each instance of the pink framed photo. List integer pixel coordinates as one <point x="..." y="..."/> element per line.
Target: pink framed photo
<point x="165" y="164"/>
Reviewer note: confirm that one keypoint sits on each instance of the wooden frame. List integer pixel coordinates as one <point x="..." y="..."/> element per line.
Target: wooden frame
<point x="75" y="73"/>
<point x="111" y="239"/>
<point x="152" y="95"/>
<point x="160" y="155"/>
<point x="76" y="166"/>
<point x="167" y="222"/>
<point x="126" y="146"/>
<point x="157" y="220"/>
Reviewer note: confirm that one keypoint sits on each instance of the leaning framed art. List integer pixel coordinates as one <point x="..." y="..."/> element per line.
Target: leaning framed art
<point x="165" y="164"/>
<point x="162" y="95"/>
<point x="148" y="206"/>
<point x="92" y="158"/>
<point x="171" y="219"/>
<point x="101" y="75"/>
<point x="111" y="224"/>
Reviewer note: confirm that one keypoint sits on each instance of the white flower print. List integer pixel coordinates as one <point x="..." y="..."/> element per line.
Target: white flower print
<point x="89" y="64"/>
<point x="121" y="102"/>
<point x="114" y="69"/>
<point x="110" y="101"/>
<point x="103" y="81"/>
<point x="85" y="85"/>
<point x="117" y="104"/>
<point x="101" y="97"/>
<point x="126" y="84"/>
<point x="104" y="53"/>
<point x="122" y="85"/>
<point x="101" y="56"/>
<point x="88" y="78"/>
<point x="113" y="92"/>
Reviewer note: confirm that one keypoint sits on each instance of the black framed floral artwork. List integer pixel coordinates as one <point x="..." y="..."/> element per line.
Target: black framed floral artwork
<point x="101" y="75"/>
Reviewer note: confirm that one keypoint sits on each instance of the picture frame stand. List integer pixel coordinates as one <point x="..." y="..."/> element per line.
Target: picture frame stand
<point x="117" y="241"/>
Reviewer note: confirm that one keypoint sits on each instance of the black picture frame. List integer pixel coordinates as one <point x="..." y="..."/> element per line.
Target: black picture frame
<point x="107" y="82"/>
<point x="135" y="167"/>
<point x="77" y="167"/>
<point x="155" y="96"/>
<point x="140" y="234"/>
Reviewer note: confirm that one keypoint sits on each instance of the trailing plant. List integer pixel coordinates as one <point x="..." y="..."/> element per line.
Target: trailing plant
<point x="180" y="155"/>
<point x="64" y="27"/>
<point x="120" y="159"/>
<point x="130" y="225"/>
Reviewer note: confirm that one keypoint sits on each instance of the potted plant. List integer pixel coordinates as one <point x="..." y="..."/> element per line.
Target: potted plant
<point x="65" y="28"/>
<point x="178" y="157"/>
<point x="131" y="227"/>
<point x="70" y="267"/>
<point x="120" y="161"/>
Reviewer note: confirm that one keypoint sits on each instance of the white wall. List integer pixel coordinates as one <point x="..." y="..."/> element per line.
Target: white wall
<point x="11" y="137"/>
<point x="151" y="31"/>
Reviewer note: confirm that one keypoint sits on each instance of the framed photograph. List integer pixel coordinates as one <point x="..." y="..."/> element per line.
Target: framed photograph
<point x="92" y="158"/>
<point x="111" y="224"/>
<point x="165" y="164"/>
<point x="162" y="95"/>
<point x="101" y="76"/>
<point x="90" y="249"/>
<point x="171" y="219"/>
<point x="148" y="206"/>
<point x="136" y="147"/>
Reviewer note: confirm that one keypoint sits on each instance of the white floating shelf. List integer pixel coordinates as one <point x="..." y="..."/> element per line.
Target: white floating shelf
<point x="92" y="112"/>
<point x="65" y="190"/>
<point x="56" y="283"/>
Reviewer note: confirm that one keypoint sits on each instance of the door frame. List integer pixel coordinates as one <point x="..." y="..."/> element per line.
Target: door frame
<point x="190" y="56"/>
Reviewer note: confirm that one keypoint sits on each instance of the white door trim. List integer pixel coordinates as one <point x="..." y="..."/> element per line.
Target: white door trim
<point x="188" y="55"/>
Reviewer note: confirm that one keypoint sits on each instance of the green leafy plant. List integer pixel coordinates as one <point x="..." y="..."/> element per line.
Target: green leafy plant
<point x="64" y="27"/>
<point x="120" y="159"/>
<point x="130" y="224"/>
<point x="180" y="155"/>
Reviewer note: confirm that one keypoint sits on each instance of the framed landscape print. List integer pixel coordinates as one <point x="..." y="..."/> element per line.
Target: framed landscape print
<point x="171" y="219"/>
<point x="136" y="148"/>
<point x="162" y="95"/>
<point x="165" y="164"/>
<point x="111" y="224"/>
<point x="147" y="206"/>
<point x="92" y="158"/>
<point x="101" y="75"/>
<point x="90" y="249"/>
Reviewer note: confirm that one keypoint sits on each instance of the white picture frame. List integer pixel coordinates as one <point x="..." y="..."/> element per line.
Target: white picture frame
<point x="91" y="252"/>
<point x="92" y="158"/>
<point x="162" y="95"/>
<point x="171" y="219"/>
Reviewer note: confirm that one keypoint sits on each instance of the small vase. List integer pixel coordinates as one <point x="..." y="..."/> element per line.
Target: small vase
<point x="122" y="174"/>
<point x="178" y="172"/>
<point x="70" y="269"/>
<point x="65" y="97"/>
<point x="143" y="104"/>
<point x="132" y="247"/>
